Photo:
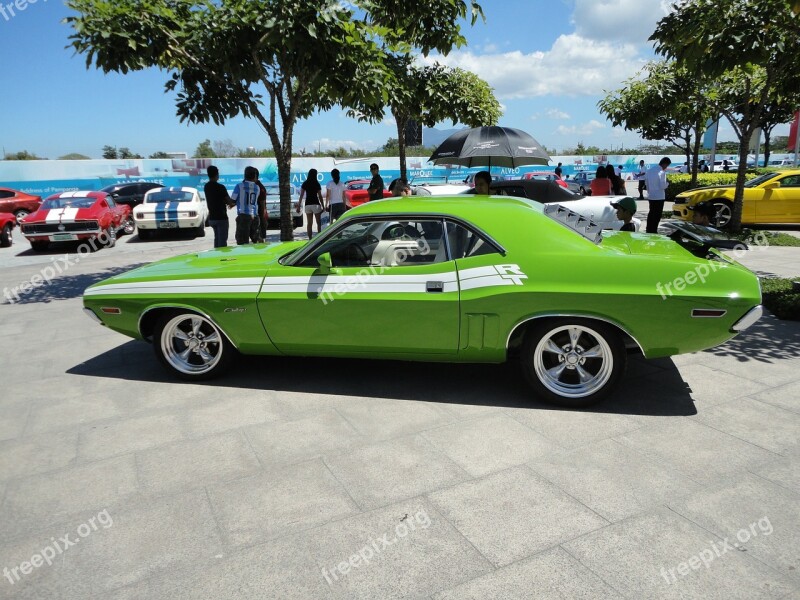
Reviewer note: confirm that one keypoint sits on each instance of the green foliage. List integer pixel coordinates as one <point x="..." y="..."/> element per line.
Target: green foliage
<point x="110" y="152"/>
<point x="126" y="153"/>
<point x="681" y="182"/>
<point x="780" y="299"/>
<point x="204" y="150"/>
<point x="73" y="156"/>
<point x="159" y="154"/>
<point x="23" y="155"/>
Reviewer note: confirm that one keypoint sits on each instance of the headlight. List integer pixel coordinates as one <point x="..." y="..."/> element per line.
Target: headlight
<point x="680" y="200"/>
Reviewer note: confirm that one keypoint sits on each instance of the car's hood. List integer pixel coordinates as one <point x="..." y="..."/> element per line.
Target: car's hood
<point x="252" y="260"/>
<point x="706" y="188"/>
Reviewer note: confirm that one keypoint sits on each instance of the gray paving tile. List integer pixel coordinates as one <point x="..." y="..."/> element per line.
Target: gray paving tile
<point x="575" y="428"/>
<point x="230" y="413"/>
<point x="39" y="454"/>
<point x="785" y="396"/>
<point x="37" y="502"/>
<point x="422" y="561"/>
<point x="489" y="444"/>
<point x="65" y="413"/>
<point x="543" y="514"/>
<point x="279" y="502"/>
<point x="698" y="451"/>
<point x="323" y="434"/>
<point x="764" y="425"/>
<point x="553" y="574"/>
<point x="756" y="516"/>
<point x="711" y="386"/>
<point x="192" y="463"/>
<point x="388" y="472"/>
<point x="613" y="480"/>
<point x="379" y="419"/>
<point x="131" y="435"/>
<point x="657" y="555"/>
<point x="12" y="421"/>
<point x="784" y="471"/>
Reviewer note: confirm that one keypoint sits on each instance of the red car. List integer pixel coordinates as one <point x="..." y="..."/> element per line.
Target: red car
<point x="7" y="223"/>
<point x="18" y="203"/>
<point x="355" y="192"/>
<point x="76" y="216"/>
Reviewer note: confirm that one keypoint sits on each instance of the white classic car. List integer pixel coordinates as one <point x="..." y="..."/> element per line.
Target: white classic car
<point x="274" y="206"/>
<point x="171" y="208"/>
<point x="599" y="210"/>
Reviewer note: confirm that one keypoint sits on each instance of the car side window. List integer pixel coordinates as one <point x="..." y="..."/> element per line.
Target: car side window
<point x="110" y="202"/>
<point x="6" y="194"/>
<point x="383" y="243"/>
<point x="791" y="181"/>
<point x="465" y="242"/>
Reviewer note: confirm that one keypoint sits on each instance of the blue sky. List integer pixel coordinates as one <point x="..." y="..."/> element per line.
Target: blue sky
<point x="549" y="62"/>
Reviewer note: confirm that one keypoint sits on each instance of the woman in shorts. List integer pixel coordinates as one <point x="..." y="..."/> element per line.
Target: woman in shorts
<point x="311" y="191"/>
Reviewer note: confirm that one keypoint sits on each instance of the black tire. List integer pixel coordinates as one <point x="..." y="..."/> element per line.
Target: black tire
<point x="128" y="226"/>
<point x="39" y="246"/>
<point x="200" y="231"/>
<point x="297" y="222"/>
<point x="110" y="236"/>
<point x="145" y="234"/>
<point x="7" y="236"/>
<point x="207" y="359"/>
<point x="21" y="214"/>
<point x="724" y="210"/>
<point x="574" y="338"/>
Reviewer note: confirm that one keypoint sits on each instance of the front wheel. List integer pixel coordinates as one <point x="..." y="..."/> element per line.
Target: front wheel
<point x="573" y="362"/>
<point x="724" y="213"/>
<point x="191" y="346"/>
<point x="6" y="236"/>
<point x="200" y="231"/>
<point x="21" y="214"/>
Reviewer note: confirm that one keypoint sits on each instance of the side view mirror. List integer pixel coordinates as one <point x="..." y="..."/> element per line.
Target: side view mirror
<point x="325" y="262"/>
<point x="772" y="185"/>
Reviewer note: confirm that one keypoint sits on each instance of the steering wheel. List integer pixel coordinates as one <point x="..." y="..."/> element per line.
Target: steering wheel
<point x="355" y="253"/>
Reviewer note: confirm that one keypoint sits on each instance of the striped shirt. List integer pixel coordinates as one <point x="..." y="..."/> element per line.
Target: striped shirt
<point x="245" y="195"/>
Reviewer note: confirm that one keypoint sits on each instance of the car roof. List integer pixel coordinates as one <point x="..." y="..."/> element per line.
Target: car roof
<point x="465" y="206"/>
<point x="97" y="195"/>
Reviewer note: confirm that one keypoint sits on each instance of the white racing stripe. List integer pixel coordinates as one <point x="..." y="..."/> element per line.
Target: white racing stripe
<point x="61" y="215"/>
<point x="229" y="285"/>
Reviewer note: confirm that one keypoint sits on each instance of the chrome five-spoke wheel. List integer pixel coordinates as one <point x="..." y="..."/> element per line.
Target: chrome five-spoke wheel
<point x="191" y="345"/>
<point x="573" y="362"/>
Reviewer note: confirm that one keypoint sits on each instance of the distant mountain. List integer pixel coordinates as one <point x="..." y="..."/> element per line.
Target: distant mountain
<point x="433" y="137"/>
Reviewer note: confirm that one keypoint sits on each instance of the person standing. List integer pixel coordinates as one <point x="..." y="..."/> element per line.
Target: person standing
<point x="261" y="202"/>
<point x="334" y="195"/>
<point x="375" y="189"/>
<point x="558" y="178"/>
<point x="245" y="196"/>
<point x="617" y="185"/>
<point x="311" y="191"/>
<point x="601" y="185"/>
<point x="218" y="203"/>
<point x="640" y="174"/>
<point x="656" y="181"/>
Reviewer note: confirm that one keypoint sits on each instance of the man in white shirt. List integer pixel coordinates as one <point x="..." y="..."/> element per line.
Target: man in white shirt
<point x="656" y="181"/>
<point x="640" y="178"/>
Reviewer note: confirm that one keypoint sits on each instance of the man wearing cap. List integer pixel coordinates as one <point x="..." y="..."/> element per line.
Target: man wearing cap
<point x="702" y="213"/>
<point x="626" y="208"/>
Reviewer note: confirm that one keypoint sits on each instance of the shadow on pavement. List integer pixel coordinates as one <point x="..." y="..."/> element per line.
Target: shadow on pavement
<point x="647" y="389"/>
<point x="768" y="341"/>
<point x="64" y="287"/>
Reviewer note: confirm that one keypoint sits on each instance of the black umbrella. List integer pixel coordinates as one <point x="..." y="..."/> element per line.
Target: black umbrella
<point x="490" y="146"/>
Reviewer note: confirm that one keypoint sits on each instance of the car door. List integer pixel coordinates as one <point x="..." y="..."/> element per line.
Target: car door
<point x="780" y="204"/>
<point x="113" y="211"/>
<point x="390" y="290"/>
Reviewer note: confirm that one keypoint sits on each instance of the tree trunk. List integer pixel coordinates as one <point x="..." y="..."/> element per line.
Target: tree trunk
<point x="695" y="157"/>
<point x="736" y="216"/>
<point x="767" y="133"/>
<point x="284" y="162"/>
<point x="401" y="142"/>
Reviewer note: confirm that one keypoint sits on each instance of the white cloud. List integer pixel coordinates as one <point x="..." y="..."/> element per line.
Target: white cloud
<point x="554" y="113"/>
<point x="587" y="128"/>
<point x="329" y="144"/>
<point x="574" y="66"/>
<point x="631" y="21"/>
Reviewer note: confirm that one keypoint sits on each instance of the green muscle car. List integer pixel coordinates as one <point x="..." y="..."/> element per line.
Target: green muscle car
<point x="461" y="279"/>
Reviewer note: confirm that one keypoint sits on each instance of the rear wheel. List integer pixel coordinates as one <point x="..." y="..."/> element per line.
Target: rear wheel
<point x="6" y="236"/>
<point x="200" y="231"/>
<point x="21" y="214"/>
<point x="145" y="234"/>
<point x="109" y="237"/>
<point x="571" y="361"/>
<point x="191" y="346"/>
<point x="128" y="226"/>
<point x="724" y="213"/>
<point x="39" y="246"/>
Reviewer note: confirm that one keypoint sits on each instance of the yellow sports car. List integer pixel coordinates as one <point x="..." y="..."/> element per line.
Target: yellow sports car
<point x="771" y="198"/>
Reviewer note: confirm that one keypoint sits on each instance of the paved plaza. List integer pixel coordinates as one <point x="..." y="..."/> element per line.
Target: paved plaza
<point x="300" y="478"/>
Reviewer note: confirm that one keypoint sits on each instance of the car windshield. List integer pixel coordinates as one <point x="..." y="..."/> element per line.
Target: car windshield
<point x="55" y="203"/>
<point x="760" y="179"/>
<point x="169" y="196"/>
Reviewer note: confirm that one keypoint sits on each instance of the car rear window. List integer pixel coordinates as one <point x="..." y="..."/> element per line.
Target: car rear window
<point x="169" y="196"/>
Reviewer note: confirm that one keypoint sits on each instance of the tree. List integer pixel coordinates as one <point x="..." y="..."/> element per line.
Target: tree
<point x="225" y="149"/>
<point x="126" y="153"/>
<point x="276" y="61"/>
<point x="204" y="150"/>
<point x="775" y="113"/>
<point x="431" y="94"/>
<point x="663" y="102"/>
<point x="745" y="47"/>
<point x="23" y="155"/>
<point x="159" y="154"/>
<point x="73" y="156"/>
<point x="109" y="152"/>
